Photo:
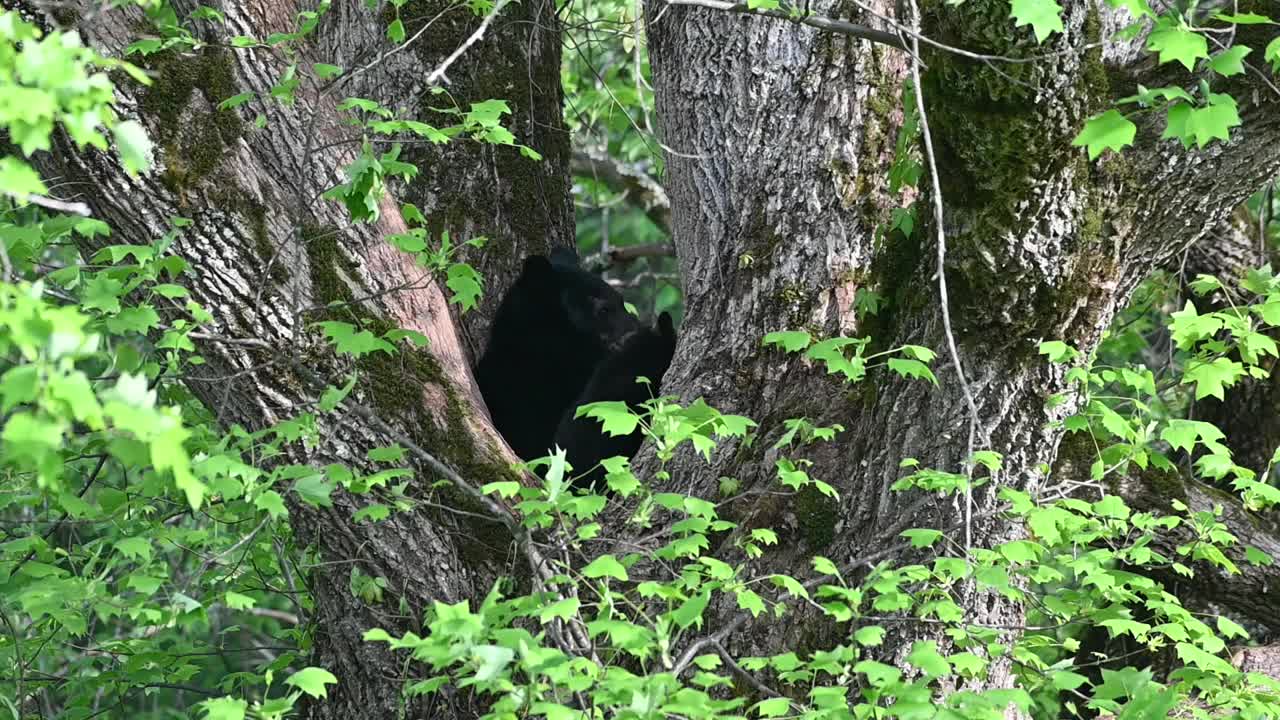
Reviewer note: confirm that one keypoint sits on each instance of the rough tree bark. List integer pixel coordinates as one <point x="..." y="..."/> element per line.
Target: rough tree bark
<point x="781" y="135"/>
<point x="269" y="256"/>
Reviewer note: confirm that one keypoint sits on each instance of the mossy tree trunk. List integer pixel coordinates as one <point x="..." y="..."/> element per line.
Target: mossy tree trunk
<point x="783" y="136"/>
<point x="269" y="256"/>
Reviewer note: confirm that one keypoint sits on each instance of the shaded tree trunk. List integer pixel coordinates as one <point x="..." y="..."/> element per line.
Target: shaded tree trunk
<point x="782" y="137"/>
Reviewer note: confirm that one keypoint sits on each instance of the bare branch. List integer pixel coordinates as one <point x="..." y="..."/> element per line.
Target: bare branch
<point x="639" y="189"/>
<point x="817" y="21"/>
<point x="439" y="72"/>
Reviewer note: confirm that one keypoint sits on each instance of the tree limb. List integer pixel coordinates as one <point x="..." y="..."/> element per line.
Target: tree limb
<point x="640" y="190"/>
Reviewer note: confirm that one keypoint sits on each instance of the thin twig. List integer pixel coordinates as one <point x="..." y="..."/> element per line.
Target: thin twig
<point x="75" y="208"/>
<point x="942" y="274"/>
<point x="842" y="27"/>
<point x="384" y="55"/>
<point x="17" y="658"/>
<point x="472" y="40"/>
<point x="5" y="264"/>
<point x="61" y="521"/>
<point x="751" y="680"/>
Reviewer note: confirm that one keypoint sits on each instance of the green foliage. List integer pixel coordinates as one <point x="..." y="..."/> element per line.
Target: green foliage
<point x="1176" y="36"/>
<point x="146" y="553"/>
<point x="609" y="109"/>
<point x="146" y="557"/>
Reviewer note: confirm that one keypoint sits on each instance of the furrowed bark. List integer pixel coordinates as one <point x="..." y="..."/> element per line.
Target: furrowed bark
<point x="782" y="136"/>
<point x="269" y="256"/>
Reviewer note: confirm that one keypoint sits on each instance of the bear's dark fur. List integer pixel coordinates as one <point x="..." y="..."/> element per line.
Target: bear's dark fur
<point x="555" y="325"/>
<point x="646" y="353"/>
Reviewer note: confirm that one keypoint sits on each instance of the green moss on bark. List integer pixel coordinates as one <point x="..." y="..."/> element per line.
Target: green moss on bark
<point x="817" y="515"/>
<point x="194" y="140"/>
<point x="499" y="68"/>
<point x="393" y="381"/>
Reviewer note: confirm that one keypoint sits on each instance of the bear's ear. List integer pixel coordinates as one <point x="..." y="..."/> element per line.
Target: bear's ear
<point x="666" y="326"/>
<point x="536" y="266"/>
<point x="563" y="258"/>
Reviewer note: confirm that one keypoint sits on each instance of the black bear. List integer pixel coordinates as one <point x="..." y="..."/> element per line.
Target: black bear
<point x="648" y="353"/>
<point x="553" y="327"/>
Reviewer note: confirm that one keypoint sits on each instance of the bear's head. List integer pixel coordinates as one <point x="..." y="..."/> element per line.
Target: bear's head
<point x="591" y="307"/>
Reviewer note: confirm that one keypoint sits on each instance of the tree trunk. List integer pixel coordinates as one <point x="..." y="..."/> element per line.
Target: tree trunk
<point x="269" y="256"/>
<point x="782" y="135"/>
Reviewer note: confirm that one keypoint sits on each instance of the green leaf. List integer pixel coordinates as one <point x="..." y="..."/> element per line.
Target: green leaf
<point x="1257" y="557"/>
<point x="1230" y="629"/>
<point x="1067" y="680"/>
<point x="690" y="611"/>
<point x="134" y="319"/>
<point x="922" y="537"/>
<point x="271" y="502"/>
<point x="789" y="340"/>
<point x="773" y="707"/>
<point x="315" y="490"/>
<point x="1244" y="19"/>
<point x="1214" y="121"/>
<point x="1108" y="131"/>
<point x="135" y="548"/>
<point x="466" y="285"/>
<point x="395" y="31"/>
<point x="1044" y="16"/>
<point x="912" y="369"/>
<point x="1182" y="434"/>
<point x="18" y="178"/>
<point x="325" y="71"/>
<point x="615" y="415"/>
<point x="791" y="585"/>
<point x="332" y="397"/>
<point x="347" y="339"/>
<point x="390" y="454"/>
<point x="1057" y="351"/>
<point x="493" y="660"/>
<point x="224" y="708"/>
<point x="1230" y="61"/>
<point x="1178" y="42"/>
<point x="1213" y="376"/>
<point x="605" y="566"/>
<point x="1189" y="327"/>
<point x="102" y="292"/>
<point x="750" y="601"/>
<point x="236" y="601"/>
<point x="413" y="336"/>
<point x="134" y="145"/>
<point x="869" y="635"/>
<point x="824" y="566"/>
<point x="312" y="681"/>
<point x="504" y="488"/>
<point x="20" y="384"/>
<point x="236" y="101"/>
<point x="560" y="610"/>
<point x="372" y="513"/>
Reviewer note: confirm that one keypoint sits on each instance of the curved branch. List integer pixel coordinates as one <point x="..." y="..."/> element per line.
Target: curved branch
<point x="1254" y="591"/>
<point x="820" y="22"/>
<point x="640" y="190"/>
